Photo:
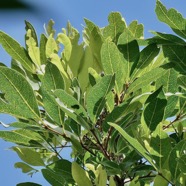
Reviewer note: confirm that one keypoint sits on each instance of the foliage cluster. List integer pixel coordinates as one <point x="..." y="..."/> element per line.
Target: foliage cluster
<point x="109" y="99"/>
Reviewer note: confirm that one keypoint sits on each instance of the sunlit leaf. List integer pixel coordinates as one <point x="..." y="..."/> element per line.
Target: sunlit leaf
<point x="176" y="54"/>
<point x="22" y="137"/>
<point x="171" y="17"/>
<point x="112" y="63"/>
<point x="29" y="156"/>
<point x="29" y="26"/>
<point x="146" y="79"/>
<point x="17" y="52"/>
<point x="97" y="95"/>
<point x="51" y="81"/>
<point x="19" y="99"/>
<point x="64" y="39"/>
<point x="116" y="26"/>
<point x="25" y="168"/>
<point x="147" y="55"/>
<point x="80" y="175"/>
<point x="33" y="49"/>
<point x="136" y="29"/>
<point x="128" y="46"/>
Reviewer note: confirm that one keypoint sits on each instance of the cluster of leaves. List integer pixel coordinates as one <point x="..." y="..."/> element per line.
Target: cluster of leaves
<point x="109" y="99"/>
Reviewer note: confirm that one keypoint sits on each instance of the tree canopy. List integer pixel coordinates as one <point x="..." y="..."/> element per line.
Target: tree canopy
<point x="116" y="99"/>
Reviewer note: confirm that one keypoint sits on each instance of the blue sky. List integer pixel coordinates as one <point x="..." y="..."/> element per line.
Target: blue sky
<point x="61" y="11"/>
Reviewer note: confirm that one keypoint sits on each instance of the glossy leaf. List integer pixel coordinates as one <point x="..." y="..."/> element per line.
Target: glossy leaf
<point x="96" y="98"/>
<point x="171" y="17"/>
<point x="17" y="52"/>
<point x="51" y="81"/>
<point x="135" y="144"/>
<point x="80" y="175"/>
<point x="18" y="97"/>
<point x="29" y="156"/>
<point x="116" y="26"/>
<point x="112" y="63"/>
<point x="153" y="112"/>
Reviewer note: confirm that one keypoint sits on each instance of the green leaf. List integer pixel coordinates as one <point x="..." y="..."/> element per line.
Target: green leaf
<point x="135" y="144"/>
<point x="17" y="52"/>
<point x="147" y="55"/>
<point x="115" y="28"/>
<point x="25" y="168"/>
<point x="166" y="39"/>
<point x="76" y="52"/>
<point x="18" y="97"/>
<point x="136" y="29"/>
<point x="101" y="176"/>
<point x="111" y="181"/>
<point x="171" y="17"/>
<point x="43" y="41"/>
<point x="96" y="98"/>
<point x="51" y="81"/>
<point x="93" y="38"/>
<point x="128" y="46"/>
<point x="174" y="163"/>
<point x="33" y="49"/>
<point x="64" y="39"/>
<point x="87" y="62"/>
<point x="112" y="63"/>
<point x="29" y="26"/>
<point x="146" y="79"/>
<point x="176" y="54"/>
<point x="160" y="147"/>
<point x="153" y="112"/>
<point x="63" y="168"/>
<point x="49" y="28"/>
<point x="28" y="184"/>
<point x="182" y="163"/>
<point x="22" y="137"/>
<point x="71" y="107"/>
<point x="169" y="82"/>
<point x="51" y="46"/>
<point x="80" y="175"/>
<point x="53" y="178"/>
<point x="182" y="82"/>
<point x="159" y="180"/>
<point x="29" y="156"/>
